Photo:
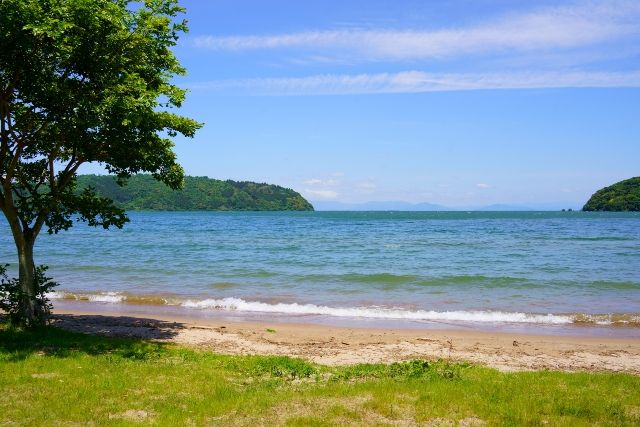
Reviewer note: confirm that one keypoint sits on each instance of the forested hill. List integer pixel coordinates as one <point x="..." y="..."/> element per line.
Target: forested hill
<point x="621" y="196"/>
<point x="142" y="192"/>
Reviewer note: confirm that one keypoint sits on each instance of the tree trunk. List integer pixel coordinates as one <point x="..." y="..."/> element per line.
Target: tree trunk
<point x="24" y="238"/>
<point x="31" y="309"/>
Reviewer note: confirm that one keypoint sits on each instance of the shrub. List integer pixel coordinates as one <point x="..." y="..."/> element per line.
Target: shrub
<point x="13" y="299"/>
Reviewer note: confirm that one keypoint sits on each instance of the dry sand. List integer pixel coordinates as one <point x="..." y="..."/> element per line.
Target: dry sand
<point x="342" y="345"/>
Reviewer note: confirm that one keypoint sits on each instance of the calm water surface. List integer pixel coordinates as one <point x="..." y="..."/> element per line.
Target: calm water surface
<point x="480" y="267"/>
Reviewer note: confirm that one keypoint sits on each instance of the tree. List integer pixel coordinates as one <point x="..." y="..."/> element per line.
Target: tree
<point x="83" y="81"/>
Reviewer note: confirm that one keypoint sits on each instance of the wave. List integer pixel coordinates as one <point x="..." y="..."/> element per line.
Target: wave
<point x="374" y="312"/>
<point x="390" y="280"/>
<point x="476" y="279"/>
<point x="378" y="312"/>
<point x="604" y="284"/>
<point x="403" y="279"/>
<point x="367" y="312"/>
<point x="383" y="278"/>
<point x="597" y="238"/>
<point x="110" y="297"/>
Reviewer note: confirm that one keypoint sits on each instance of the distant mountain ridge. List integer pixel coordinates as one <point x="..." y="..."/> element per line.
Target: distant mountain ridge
<point x="142" y="192"/>
<point x="379" y="206"/>
<point x="425" y="207"/>
<point x="621" y="196"/>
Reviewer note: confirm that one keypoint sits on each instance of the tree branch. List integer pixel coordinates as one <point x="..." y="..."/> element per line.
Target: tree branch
<point x="69" y="172"/>
<point x="11" y="213"/>
<point x="26" y="183"/>
<point x="52" y="177"/>
<point x="63" y="181"/>
<point x="5" y="112"/>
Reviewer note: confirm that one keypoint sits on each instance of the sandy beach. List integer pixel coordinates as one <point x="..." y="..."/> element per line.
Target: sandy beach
<point x="331" y="345"/>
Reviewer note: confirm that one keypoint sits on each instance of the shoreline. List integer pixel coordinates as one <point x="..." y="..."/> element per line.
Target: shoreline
<point x="344" y="345"/>
<point x="372" y="316"/>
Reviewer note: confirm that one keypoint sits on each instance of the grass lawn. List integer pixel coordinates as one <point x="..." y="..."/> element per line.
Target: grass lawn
<point x="53" y="377"/>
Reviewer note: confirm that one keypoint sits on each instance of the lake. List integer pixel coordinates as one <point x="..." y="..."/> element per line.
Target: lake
<point x="525" y="269"/>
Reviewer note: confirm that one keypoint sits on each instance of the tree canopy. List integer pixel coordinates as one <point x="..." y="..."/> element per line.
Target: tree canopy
<point x="142" y="192"/>
<point x="83" y="81"/>
<point x="621" y="196"/>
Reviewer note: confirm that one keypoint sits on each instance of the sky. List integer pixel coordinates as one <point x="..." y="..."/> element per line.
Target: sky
<point x="462" y="103"/>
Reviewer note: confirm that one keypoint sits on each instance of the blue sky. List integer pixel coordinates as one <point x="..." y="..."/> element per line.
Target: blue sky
<point x="461" y="103"/>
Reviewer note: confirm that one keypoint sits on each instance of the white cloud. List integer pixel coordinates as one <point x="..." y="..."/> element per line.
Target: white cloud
<point x="324" y="182"/>
<point x="312" y="181"/>
<point x="418" y="81"/>
<point x="325" y="194"/>
<point x="542" y="37"/>
<point x="581" y="24"/>
<point x="483" y="186"/>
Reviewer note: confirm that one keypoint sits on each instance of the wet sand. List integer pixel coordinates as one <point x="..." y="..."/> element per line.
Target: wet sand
<point x="341" y="345"/>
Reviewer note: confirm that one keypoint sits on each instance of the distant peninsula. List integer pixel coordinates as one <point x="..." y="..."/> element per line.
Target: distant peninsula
<point x="621" y="196"/>
<point x="142" y="192"/>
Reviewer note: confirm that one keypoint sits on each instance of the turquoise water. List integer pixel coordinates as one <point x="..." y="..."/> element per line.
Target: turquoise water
<point x="473" y="267"/>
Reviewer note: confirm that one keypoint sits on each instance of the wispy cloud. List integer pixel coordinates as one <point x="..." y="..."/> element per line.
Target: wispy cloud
<point x="417" y="82"/>
<point x="582" y="24"/>
<point x="481" y="185"/>
<point x="322" y="182"/>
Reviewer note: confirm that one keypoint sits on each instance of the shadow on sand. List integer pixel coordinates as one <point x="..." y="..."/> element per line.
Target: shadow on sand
<point x="70" y="335"/>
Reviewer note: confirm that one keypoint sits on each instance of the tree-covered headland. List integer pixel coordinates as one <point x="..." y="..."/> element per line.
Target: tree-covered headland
<point x="621" y="196"/>
<point x="142" y="192"/>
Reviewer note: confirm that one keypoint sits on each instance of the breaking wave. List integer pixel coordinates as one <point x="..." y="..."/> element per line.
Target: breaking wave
<point x="367" y="312"/>
<point x="374" y="312"/>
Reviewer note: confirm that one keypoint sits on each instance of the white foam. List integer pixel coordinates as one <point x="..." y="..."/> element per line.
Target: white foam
<point x="371" y="312"/>
<point x="238" y="304"/>
<point x="110" y="297"/>
<point x="55" y="295"/>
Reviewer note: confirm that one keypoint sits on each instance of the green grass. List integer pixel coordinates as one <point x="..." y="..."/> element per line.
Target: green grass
<point x="52" y="377"/>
